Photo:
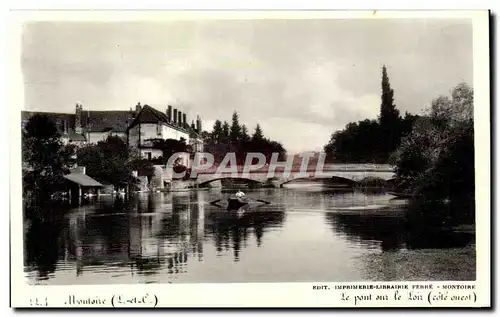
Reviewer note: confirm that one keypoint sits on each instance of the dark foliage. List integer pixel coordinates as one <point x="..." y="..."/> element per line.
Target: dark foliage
<point x="436" y="162"/>
<point x="112" y="162"/>
<point x="45" y="159"/>
<point x="168" y="148"/>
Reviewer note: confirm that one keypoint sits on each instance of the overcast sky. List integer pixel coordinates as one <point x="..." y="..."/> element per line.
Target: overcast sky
<point x="300" y="79"/>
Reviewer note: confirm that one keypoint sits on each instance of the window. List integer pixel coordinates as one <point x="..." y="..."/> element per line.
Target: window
<point x="158" y="129"/>
<point x="148" y="155"/>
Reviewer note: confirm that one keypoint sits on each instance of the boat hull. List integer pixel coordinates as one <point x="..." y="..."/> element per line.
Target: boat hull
<point x="236" y="203"/>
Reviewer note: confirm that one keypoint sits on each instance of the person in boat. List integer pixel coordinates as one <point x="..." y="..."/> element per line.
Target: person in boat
<point x="240" y="194"/>
<point x="237" y="201"/>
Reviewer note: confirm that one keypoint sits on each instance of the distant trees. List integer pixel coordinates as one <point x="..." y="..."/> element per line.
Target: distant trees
<point x="244" y="133"/>
<point x="358" y="142"/>
<point x="225" y="130"/>
<point x="236" y="138"/>
<point x="258" y="135"/>
<point x="371" y="141"/>
<point x="217" y="132"/>
<point x="45" y="159"/>
<point x="235" y="133"/>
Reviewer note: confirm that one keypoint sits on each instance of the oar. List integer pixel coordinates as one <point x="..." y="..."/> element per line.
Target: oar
<point x="263" y="201"/>
<point x="215" y="201"/>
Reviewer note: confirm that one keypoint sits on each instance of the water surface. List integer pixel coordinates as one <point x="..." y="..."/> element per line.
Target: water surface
<point x="307" y="233"/>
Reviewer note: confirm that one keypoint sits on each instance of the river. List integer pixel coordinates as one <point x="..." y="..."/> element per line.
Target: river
<point x="307" y="233"/>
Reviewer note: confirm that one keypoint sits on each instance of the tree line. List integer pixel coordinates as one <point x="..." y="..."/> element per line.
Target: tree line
<point x="235" y="138"/>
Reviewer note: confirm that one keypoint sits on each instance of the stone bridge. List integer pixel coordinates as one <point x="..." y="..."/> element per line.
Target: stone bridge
<point x="349" y="173"/>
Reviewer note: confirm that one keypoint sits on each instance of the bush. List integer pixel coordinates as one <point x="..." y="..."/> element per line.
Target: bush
<point x="436" y="162"/>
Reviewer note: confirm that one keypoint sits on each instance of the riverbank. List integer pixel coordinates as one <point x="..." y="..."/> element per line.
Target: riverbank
<point x="422" y="265"/>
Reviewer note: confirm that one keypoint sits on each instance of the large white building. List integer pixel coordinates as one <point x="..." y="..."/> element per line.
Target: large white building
<point x="136" y="127"/>
<point x="151" y="124"/>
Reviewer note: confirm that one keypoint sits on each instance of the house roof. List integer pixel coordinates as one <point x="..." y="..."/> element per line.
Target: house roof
<point x="149" y="114"/>
<point x="102" y="121"/>
<point x="82" y="180"/>
<point x="193" y="133"/>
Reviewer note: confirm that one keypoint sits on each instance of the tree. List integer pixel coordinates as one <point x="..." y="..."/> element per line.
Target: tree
<point x="357" y="143"/>
<point x="258" y="135"/>
<point x="235" y="132"/>
<point x="108" y="162"/>
<point x="45" y="160"/>
<point x="143" y="167"/>
<point x="244" y="133"/>
<point x="169" y="147"/>
<point x="225" y="130"/>
<point x="416" y="155"/>
<point x="407" y="123"/>
<point x="217" y="132"/>
<point x="389" y="119"/>
<point x="371" y="141"/>
<point x="436" y="161"/>
<point x="458" y="108"/>
<point x="389" y="115"/>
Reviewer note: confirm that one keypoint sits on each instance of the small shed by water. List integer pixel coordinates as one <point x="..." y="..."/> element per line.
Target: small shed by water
<point x="80" y="182"/>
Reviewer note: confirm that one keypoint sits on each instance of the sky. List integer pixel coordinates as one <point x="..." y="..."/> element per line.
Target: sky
<point x="301" y="80"/>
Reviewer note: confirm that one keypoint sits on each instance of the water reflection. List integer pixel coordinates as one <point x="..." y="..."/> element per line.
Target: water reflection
<point x="144" y="235"/>
<point x="181" y="237"/>
<point x="42" y="247"/>
<point x="386" y="229"/>
<point x="231" y="230"/>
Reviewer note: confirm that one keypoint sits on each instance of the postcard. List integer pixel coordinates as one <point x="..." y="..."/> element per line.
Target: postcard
<point x="250" y="159"/>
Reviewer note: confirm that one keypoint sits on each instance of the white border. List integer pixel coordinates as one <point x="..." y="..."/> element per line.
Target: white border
<point x="300" y="293"/>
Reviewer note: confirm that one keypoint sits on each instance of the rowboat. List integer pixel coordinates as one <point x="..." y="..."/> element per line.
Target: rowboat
<point x="235" y="203"/>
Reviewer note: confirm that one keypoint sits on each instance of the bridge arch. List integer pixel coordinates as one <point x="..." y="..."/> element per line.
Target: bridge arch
<point x="247" y="180"/>
<point x="345" y="180"/>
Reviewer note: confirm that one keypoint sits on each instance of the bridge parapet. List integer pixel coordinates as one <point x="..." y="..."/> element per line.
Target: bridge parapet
<point x="326" y="168"/>
<point x="350" y="175"/>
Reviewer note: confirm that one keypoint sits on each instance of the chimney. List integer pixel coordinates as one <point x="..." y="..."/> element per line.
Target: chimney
<point x="198" y="124"/>
<point x="192" y="125"/>
<point x="179" y="118"/>
<point x="175" y="116"/>
<point x="138" y="108"/>
<point x="184" y="120"/>
<point x="78" y="119"/>
<point x="169" y="113"/>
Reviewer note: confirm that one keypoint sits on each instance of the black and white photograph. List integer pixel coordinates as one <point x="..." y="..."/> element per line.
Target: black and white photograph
<point x="249" y="150"/>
